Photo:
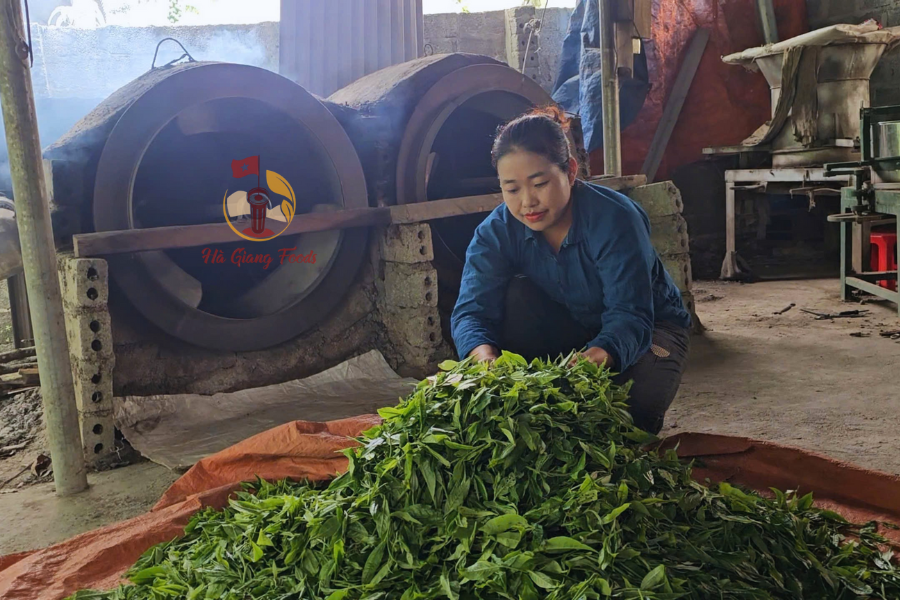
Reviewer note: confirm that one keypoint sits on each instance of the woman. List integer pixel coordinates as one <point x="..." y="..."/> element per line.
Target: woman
<point x="565" y="265"/>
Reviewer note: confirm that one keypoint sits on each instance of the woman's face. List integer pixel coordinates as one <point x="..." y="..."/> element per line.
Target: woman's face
<point x="535" y="190"/>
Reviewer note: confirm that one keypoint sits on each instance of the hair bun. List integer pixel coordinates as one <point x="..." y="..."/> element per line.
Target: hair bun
<point x="554" y="113"/>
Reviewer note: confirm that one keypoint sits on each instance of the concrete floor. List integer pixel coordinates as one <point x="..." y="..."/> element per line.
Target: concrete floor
<point x="792" y="379"/>
<point x="785" y="378"/>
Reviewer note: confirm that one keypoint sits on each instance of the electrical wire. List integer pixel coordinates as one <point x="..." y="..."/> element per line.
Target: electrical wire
<point x="531" y="34"/>
<point x="172" y="62"/>
<point x="28" y="26"/>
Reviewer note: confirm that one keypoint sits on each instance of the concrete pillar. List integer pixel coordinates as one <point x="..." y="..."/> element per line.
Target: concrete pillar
<point x="520" y="22"/>
<point x="408" y="300"/>
<point x="85" y="287"/>
<point x="669" y="234"/>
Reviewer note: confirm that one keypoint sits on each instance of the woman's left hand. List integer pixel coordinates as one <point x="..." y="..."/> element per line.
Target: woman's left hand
<point x="598" y="356"/>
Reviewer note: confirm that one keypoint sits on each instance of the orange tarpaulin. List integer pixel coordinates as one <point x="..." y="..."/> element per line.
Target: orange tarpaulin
<point x="298" y="450"/>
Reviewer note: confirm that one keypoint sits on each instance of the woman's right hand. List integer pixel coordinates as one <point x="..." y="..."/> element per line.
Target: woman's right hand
<point x="485" y="352"/>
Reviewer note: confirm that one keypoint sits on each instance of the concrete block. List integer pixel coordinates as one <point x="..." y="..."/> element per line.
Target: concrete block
<point x="679" y="268"/>
<point x="658" y="199"/>
<point x="669" y="235"/>
<point x="84" y="282"/>
<point x="94" y="399"/>
<point x="413" y="327"/>
<point x="90" y="336"/>
<point x="518" y="30"/>
<point x="98" y="435"/>
<point x="409" y="286"/>
<point x="407" y="243"/>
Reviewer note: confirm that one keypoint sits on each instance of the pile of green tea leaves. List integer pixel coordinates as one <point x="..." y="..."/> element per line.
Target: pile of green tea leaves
<point x="513" y="481"/>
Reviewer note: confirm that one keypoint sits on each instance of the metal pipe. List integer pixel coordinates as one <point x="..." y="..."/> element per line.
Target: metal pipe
<point x="39" y="253"/>
<point x="23" y="334"/>
<point x="767" y="18"/>
<point x="612" y="139"/>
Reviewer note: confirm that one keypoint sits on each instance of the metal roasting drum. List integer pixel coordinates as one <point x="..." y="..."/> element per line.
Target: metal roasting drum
<point x="167" y="162"/>
<point x="163" y="146"/>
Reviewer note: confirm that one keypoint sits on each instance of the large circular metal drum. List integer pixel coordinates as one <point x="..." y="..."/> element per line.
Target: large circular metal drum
<point x="446" y="147"/>
<point x="167" y="161"/>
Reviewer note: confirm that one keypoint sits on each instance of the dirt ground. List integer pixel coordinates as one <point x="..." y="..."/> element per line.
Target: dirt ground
<point x="785" y="378"/>
<point x="792" y="379"/>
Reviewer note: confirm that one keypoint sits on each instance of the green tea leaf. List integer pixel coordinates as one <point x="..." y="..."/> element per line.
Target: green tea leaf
<point x="565" y="544"/>
<point x="373" y="563"/>
<point x="503" y="523"/>
<point x="654" y="578"/>
<point x="480" y="571"/>
<point x="542" y="581"/>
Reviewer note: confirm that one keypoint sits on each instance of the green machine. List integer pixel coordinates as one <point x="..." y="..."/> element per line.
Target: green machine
<point x="870" y="210"/>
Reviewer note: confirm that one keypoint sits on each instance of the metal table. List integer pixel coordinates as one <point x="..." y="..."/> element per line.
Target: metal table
<point x="809" y="181"/>
<point x="856" y="273"/>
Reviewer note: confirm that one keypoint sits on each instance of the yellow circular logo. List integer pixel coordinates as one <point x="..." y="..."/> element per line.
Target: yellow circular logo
<point x="267" y="218"/>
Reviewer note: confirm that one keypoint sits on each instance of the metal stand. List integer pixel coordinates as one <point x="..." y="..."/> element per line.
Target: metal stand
<point x="38" y="254"/>
<point x="855" y="270"/>
<point x="806" y="181"/>
<point x="23" y="334"/>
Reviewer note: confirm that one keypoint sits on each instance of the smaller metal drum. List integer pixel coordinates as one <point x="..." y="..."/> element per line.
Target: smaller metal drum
<point x="888" y="147"/>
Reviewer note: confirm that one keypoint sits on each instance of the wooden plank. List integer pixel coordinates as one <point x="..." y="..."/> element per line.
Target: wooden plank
<point x="30" y="376"/>
<point x="17" y="354"/>
<point x="188" y="236"/>
<point x="675" y="103"/>
<point x="441" y="209"/>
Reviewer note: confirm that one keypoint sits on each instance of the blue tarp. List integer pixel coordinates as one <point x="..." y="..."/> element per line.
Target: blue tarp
<point x="578" y="87"/>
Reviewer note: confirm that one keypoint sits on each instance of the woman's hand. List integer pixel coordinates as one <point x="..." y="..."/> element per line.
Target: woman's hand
<point x="485" y="352"/>
<point x="598" y="356"/>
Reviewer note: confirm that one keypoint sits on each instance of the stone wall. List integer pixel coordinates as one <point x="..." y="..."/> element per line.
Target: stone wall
<point x="822" y="13"/>
<point x="488" y="33"/>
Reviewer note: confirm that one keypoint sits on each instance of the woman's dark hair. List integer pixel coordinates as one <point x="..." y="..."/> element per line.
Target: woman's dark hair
<point x="542" y="131"/>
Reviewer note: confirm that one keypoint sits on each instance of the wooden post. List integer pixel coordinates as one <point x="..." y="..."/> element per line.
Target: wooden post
<point x="679" y="93"/>
<point x="39" y="253"/>
<point x="612" y="138"/>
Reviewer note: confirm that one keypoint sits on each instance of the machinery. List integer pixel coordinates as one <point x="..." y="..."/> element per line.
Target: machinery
<point x="818" y="82"/>
<point x="154" y="152"/>
<point x="871" y="207"/>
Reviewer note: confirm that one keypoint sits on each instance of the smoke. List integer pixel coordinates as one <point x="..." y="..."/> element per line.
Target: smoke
<point x="245" y="47"/>
<point x="75" y="69"/>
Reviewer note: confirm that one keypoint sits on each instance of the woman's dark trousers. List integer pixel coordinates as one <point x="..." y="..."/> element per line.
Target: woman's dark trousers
<point x="535" y="326"/>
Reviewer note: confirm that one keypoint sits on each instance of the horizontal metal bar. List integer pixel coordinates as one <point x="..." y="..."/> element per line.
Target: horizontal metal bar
<point x="873" y="289"/>
<point x="871" y="276"/>
<point x="783" y="175"/>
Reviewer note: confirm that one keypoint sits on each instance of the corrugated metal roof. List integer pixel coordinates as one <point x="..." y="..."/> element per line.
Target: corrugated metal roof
<point x="327" y="44"/>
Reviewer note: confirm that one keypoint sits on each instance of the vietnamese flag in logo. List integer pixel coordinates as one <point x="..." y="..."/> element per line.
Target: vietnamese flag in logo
<point x="248" y="166"/>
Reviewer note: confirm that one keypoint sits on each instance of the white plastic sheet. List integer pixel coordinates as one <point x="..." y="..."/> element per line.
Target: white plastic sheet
<point x="867" y="33"/>
<point x="176" y="431"/>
